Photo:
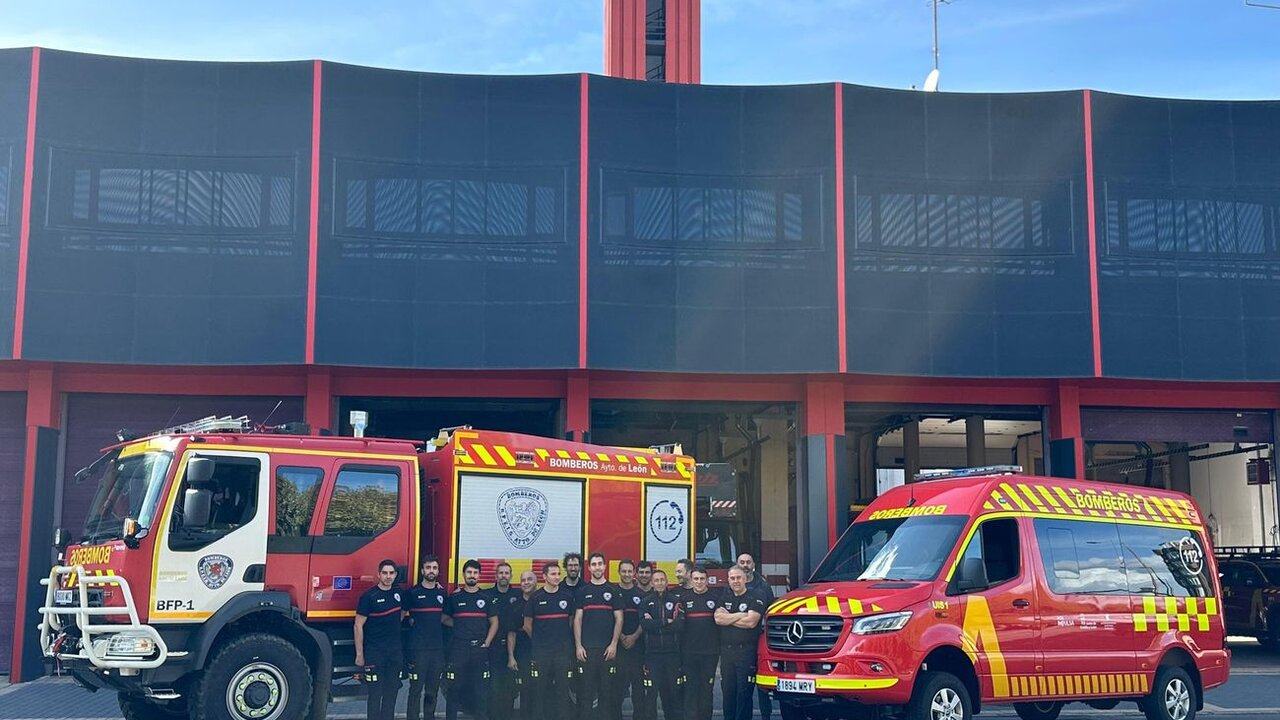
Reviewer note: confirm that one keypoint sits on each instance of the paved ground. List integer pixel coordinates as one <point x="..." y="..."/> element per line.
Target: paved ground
<point x="1251" y="694"/>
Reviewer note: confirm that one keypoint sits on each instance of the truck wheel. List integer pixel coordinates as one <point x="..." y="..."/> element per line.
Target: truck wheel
<point x="1173" y="696"/>
<point x="939" y="696"/>
<point x="137" y="707"/>
<point x="1038" y="710"/>
<point x="254" y="677"/>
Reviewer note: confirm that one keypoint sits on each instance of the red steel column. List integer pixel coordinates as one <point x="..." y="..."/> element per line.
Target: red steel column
<point x="577" y="407"/>
<point x="624" y="39"/>
<point x="822" y="502"/>
<point x="1065" y="426"/>
<point x="684" y="41"/>
<point x="24" y="221"/>
<point x="43" y="411"/>
<point x="319" y="399"/>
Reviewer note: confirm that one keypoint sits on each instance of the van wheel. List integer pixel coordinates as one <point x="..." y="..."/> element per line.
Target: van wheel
<point x="790" y="712"/>
<point x="1173" y="696"/>
<point x="136" y="707"/>
<point x="939" y="696"/>
<point x="1038" y="710"/>
<point x="254" y="677"/>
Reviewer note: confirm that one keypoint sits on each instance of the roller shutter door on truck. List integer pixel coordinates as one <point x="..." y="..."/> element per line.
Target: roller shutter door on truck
<point x="13" y="412"/>
<point x="93" y="419"/>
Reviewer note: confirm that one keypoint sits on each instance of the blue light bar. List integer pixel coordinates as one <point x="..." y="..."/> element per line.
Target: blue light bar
<point x="970" y="472"/>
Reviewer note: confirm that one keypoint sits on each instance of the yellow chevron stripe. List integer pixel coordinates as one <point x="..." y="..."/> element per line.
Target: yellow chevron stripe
<point x="507" y="458"/>
<point x="1017" y="499"/>
<point x="485" y="456"/>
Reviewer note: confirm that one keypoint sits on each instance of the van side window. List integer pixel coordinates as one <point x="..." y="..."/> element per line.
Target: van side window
<point x="296" y="491"/>
<point x="1165" y="561"/>
<point x="365" y="502"/>
<point x="996" y="543"/>
<point x="232" y="503"/>
<point x="1081" y="557"/>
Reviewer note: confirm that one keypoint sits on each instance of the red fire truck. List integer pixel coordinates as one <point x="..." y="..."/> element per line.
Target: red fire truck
<point x="987" y="587"/>
<point x="219" y="568"/>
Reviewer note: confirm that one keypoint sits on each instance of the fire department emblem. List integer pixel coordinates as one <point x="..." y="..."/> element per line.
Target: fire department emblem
<point x="608" y="596"/>
<point x="564" y="604"/>
<point x="522" y="514"/>
<point x="480" y="603"/>
<point x="1191" y="555"/>
<point x="214" y="570"/>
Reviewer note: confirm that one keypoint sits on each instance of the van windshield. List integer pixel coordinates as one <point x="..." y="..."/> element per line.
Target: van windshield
<point x="911" y="548"/>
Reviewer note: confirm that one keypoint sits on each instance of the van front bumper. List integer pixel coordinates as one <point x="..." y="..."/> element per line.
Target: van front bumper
<point x="844" y="688"/>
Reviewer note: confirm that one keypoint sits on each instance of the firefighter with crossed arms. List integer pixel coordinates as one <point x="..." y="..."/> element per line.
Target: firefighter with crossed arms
<point x="738" y="615"/>
<point x="663" y="621"/>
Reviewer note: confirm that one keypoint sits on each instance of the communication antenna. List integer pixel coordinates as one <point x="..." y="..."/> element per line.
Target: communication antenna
<point x="1256" y="3"/>
<point x="931" y="81"/>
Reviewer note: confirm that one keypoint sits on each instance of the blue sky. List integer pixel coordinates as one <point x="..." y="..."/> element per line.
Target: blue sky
<point x="1175" y="48"/>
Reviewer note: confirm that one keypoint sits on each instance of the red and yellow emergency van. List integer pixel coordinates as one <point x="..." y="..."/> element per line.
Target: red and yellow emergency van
<point x="988" y="586"/>
<point x="218" y="572"/>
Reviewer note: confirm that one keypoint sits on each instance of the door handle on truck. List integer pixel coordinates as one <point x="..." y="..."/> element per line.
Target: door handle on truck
<point x="1020" y="603"/>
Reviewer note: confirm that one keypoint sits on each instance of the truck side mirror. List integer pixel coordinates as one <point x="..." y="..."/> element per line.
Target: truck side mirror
<point x="197" y="506"/>
<point x="199" y="472"/>
<point x="973" y="575"/>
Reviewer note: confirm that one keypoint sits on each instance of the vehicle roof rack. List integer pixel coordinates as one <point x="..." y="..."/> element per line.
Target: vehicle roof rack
<point x="211" y="424"/>
<point x="969" y="472"/>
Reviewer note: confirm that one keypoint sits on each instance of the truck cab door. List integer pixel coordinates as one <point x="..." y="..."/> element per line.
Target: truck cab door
<point x="367" y="515"/>
<point x="295" y="493"/>
<point x="215" y="543"/>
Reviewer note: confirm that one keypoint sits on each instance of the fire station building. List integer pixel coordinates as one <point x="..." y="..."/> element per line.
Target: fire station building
<point x="832" y="287"/>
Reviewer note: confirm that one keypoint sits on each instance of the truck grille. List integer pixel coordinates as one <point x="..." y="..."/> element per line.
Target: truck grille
<point x="811" y="634"/>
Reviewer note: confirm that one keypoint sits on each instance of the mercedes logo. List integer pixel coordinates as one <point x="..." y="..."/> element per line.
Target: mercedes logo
<point x="795" y="633"/>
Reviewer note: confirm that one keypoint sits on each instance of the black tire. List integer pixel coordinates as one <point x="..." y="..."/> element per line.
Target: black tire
<point x="1173" y="696"/>
<point x="137" y="707"/>
<point x="787" y="711"/>
<point x="939" y="696"/>
<point x="254" y="677"/>
<point x="1038" y="710"/>
<point x="1271" y="638"/>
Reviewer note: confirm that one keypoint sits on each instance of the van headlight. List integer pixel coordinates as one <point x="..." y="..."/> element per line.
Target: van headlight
<point x="874" y="624"/>
<point x="125" y="644"/>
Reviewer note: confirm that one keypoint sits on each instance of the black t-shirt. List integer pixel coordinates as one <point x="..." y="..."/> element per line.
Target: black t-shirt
<point x="701" y="634"/>
<point x="631" y="600"/>
<point x="509" y="607"/>
<point x="381" y="608"/>
<point x="745" y="602"/>
<point x="597" y="603"/>
<point x="470" y="612"/>
<point x="425" y="607"/>
<point x="551" y="614"/>
<point x="516" y="617"/>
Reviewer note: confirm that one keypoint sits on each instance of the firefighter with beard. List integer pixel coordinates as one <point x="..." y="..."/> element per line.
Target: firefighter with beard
<point x="630" y="644"/>
<point x="424" y="603"/>
<point x="475" y="623"/>
<point x="738" y="615"/>
<point x="701" y="647"/>
<point x="379" y="653"/>
<point x="502" y="681"/>
<point x="758" y="584"/>
<point x="572" y="571"/>
<point x="597" y="625"/>
<point x="644" y="577"/>
<point x="548" y="623"/>
<point x="662" y="620"/>
<point x="518" y="650"/>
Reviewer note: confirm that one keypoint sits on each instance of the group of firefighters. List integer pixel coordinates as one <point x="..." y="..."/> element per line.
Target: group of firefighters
<point x="574" y="646"/>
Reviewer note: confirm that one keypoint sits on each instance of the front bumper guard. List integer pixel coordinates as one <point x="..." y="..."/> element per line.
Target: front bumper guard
<point x="54" y="623"/>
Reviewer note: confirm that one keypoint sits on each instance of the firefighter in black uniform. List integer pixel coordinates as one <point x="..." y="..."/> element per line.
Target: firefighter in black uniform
<point x="425" y="604"/>
<point x="631" y="644"/>
<point x="701" y="644"/>
<point x="758" y="584"/>
<point x="379" y="653"/>
<point x="502" y="680"/>
<point x="683" y="569"/>
<point x="472" y="615"/>
<point x="644" y="577"/>
<point x="662" y="620"/>
<point x="738" y="615"/>
<point x="597" y="625"/>
<point x="548" y="623"/>
<point x="518" y="650"/>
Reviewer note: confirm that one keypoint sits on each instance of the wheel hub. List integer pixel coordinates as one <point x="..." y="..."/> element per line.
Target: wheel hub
<point x="257" y="692"/>
<point x="1177" y="699"/>
<point x="946" y="705"/>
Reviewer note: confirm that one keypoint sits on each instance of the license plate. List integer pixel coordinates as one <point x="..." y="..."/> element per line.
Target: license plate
<point x="63" y="597"/>
<point x="797" y="686"/>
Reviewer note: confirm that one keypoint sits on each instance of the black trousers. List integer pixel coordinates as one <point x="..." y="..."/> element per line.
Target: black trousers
<point x="552" y="680"/>
<point x="426" y="668"/>
<point x="765" y="703"/>
<point x="737" y="670"/>
<point x="699" y="680"/>
<point x="384" y="664"/>
<point x="598" y="683"/>
<point x="467" y="679"/>
<point x="630" y="680"/>
<point x="502" y="682"/>
<point x="662" y="681"/>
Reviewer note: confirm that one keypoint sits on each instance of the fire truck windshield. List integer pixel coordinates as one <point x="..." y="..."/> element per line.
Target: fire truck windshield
<point x="127" y="488"/>
<point x="898" y="549"/>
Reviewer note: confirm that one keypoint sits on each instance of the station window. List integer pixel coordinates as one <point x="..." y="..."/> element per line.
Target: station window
<point x="365" y="502"/>
<point x="1197" y="223"/>
<point x="296" y="491"/>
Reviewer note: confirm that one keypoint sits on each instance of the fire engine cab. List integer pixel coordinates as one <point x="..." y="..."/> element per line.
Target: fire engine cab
<point x="987" y="586"/>
<point x="219" y="568"/>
